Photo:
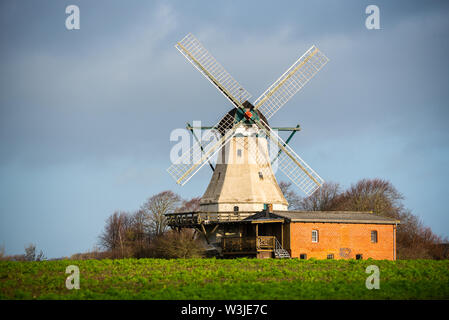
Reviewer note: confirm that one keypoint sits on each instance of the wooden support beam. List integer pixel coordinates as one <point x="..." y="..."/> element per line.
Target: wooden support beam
<point x="287" y="141"/>
<point x="214" y="229"/>
<point x="205" y="233"/>
<point x="199" y="142"/>
<point x="282" y="235"/>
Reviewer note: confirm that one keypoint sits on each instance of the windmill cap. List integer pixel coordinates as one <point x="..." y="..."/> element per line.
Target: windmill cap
<point x="248" y="104"/>
<point x="227" y="121"/>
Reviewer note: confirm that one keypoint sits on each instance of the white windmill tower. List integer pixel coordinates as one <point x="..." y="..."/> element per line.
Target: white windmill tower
<point x="243" y="179"/>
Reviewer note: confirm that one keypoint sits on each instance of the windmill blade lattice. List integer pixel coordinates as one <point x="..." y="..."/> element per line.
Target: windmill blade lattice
<point x="197" y="55"/>
<point x="184" y="167"/>
<point x="291" y="82"/>
<point x="296" y="169"/>
<point x="267" y="104"/>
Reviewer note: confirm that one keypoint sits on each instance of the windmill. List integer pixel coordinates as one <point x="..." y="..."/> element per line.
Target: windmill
<point x="243" y="178"/>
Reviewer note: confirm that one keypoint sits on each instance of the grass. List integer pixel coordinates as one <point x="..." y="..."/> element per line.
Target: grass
<point x="287" y="279"/>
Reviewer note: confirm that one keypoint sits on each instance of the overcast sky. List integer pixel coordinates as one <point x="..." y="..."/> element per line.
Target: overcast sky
<point x="86" y="115"/>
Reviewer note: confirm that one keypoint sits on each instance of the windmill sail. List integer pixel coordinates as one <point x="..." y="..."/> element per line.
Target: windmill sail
<point x="184" y="167"/>
<point x="291" y="82"/>
<point x="197" y="55"/>
<point x="296" y="169"/>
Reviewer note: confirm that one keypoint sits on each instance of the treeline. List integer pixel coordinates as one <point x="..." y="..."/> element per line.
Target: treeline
<point x="414" y="240"/>
<point x="30" y="254"/>
<point x="144" y="233"/>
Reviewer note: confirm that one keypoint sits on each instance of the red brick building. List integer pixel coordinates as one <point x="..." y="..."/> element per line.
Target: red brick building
<point x="339" y="235"/>
<point x="296" y="234"/>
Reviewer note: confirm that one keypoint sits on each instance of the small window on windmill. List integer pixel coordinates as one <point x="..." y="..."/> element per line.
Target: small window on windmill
<point x="236" y="209"/>
<point x="239" y="152"/>
<point x="260" y="175"/>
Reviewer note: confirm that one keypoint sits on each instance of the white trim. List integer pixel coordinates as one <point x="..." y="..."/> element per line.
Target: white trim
<point x="317" y="236"/>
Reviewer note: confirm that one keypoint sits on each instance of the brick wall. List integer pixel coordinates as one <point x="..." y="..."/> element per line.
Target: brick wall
<point x="343" y="240"/>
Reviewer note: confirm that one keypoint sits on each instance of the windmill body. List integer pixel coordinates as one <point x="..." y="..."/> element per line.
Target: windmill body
<point x="239" y="183"/>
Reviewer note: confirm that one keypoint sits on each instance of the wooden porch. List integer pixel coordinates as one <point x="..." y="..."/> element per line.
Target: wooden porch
<point x="247" y="245"/>
<point x="259" y="246"/>
<point x="238" y="233"/>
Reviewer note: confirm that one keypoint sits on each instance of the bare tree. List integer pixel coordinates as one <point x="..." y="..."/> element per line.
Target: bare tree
<point x="155" y="209"/>
<point x="323" y="199"/>
<point x="174" y="244"/>
<point x="141" y="234"/>
<point x="190" y="205"/>
<point x="31" y="255"/>
<point x="377" y="195"/>
<point x="117" y="233"/>
<point x="293" y="199"/>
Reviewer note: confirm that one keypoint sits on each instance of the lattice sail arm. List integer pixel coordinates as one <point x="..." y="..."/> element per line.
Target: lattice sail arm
<point x="197" y="55"/>
<point x="296" y="169"/>
<point x="185" y="167"/>
<point x="291" y="82"/>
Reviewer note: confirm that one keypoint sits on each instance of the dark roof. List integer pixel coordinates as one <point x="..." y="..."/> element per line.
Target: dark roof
<point x="335" y="216"/>
<point x="227" y="121"/>
<point x="263" y="215"/>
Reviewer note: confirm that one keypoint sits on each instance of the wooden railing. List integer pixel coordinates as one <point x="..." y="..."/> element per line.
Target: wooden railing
<point x="266" y="242"/>
<point x="195" y="218"/>
<point x="238" y="244"/>
<point x="248" y="244"/>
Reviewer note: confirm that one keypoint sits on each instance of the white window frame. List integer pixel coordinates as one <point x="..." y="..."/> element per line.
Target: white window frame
<point x="317" y="235"/>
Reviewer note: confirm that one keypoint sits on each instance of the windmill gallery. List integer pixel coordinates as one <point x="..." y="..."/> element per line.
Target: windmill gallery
<point x="243" y="211"/>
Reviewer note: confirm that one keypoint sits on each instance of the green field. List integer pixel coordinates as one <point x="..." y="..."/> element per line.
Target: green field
<point x="224" y="279"/>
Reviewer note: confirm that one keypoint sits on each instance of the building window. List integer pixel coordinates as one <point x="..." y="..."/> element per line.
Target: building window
<point x="359" y="256"/>
<point x="303" y="256"/>
<point x="374" y="236"/>
<point x="236" y="208"/>
<point x="314" y="235"/>
<point x="239" y="152"/>
<point x="260" y="175"/>
<point x="330" y="256"/>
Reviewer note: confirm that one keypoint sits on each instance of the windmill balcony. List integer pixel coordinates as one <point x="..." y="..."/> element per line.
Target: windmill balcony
<point x="189" y="219"/>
